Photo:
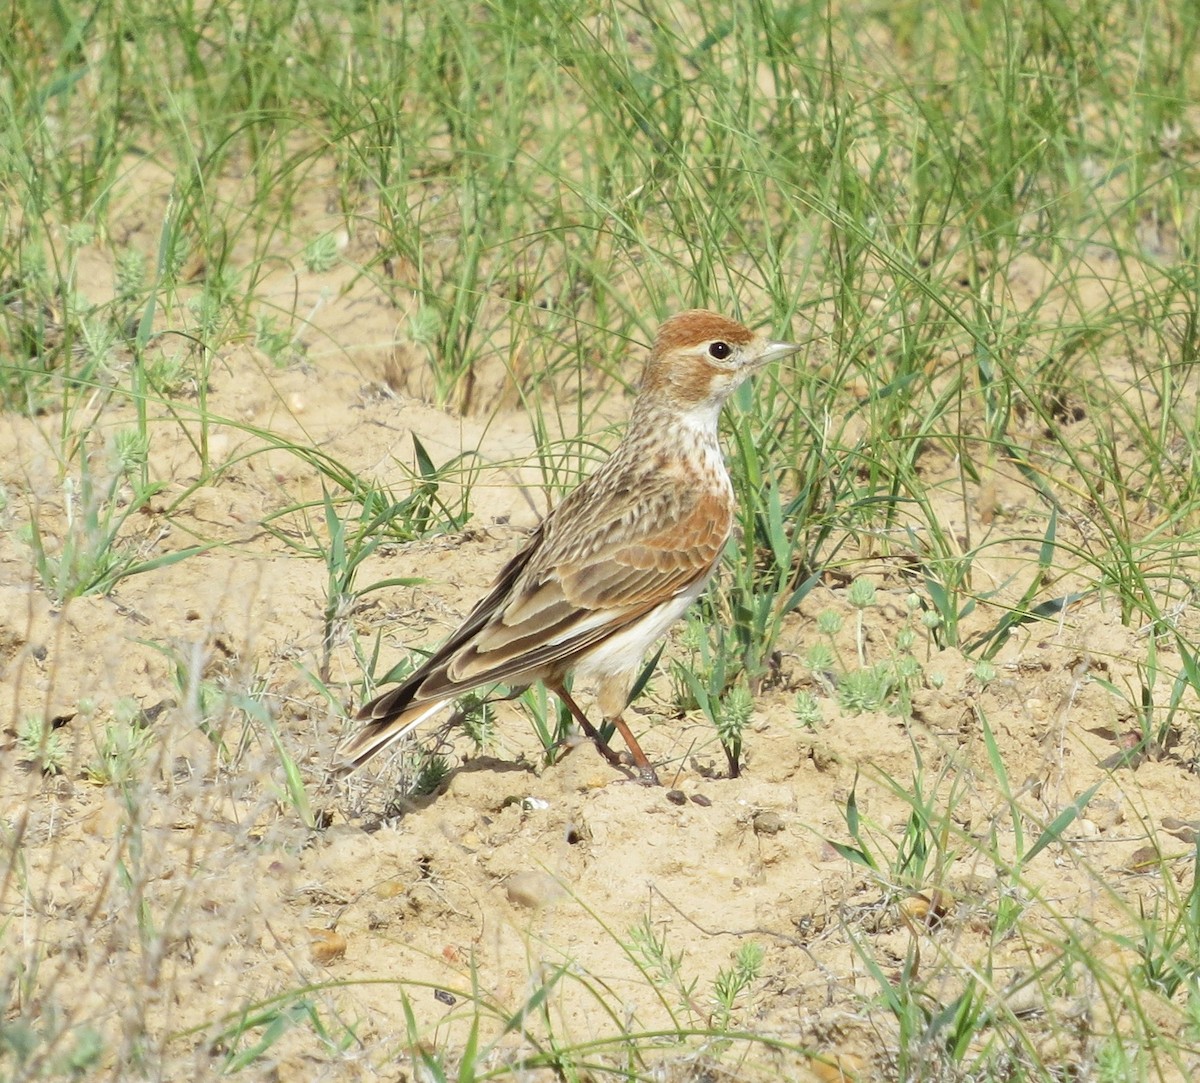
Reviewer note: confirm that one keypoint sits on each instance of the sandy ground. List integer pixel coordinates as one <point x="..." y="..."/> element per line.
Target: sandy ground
<point x="157" y="915"/>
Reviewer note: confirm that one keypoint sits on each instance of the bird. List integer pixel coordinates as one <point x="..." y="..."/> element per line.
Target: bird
<point x="614" y="564"/>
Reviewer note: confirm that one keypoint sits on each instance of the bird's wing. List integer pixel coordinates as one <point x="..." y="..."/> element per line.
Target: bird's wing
<point x="569" y="599"/>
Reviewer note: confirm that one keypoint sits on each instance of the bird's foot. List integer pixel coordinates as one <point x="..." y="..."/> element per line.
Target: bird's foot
<point x="647" y="776"/>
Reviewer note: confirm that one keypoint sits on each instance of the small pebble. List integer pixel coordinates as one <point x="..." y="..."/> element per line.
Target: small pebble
<point x="677" y="797"/>
<point x="1144" y="859"/>
<point x="836" y="1067"/>
<point x="767" y="823"/>
<point x="327" y="945"/>
<point x="701" y="800"/>
<point x="391" y="888"/>
<point x="532" y="890"/>
<point x="926" y="908"/>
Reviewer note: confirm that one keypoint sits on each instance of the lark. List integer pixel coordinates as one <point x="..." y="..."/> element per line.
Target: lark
<point x="612" y="566"/>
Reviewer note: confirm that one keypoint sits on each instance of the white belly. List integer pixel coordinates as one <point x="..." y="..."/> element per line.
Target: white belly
<point x="623" y="652"/>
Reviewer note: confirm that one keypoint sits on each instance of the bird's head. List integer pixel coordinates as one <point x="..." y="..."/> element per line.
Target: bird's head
<point x="700" y="358"/>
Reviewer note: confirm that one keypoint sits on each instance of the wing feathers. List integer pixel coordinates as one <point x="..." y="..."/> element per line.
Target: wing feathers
<point x="388" y="728"/>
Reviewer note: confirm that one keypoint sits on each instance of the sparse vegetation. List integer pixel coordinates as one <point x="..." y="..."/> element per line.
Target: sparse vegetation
<point x="241" y="241"/>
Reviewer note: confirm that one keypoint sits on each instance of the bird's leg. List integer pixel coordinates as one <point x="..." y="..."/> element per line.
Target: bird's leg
<point x="585" y="725"/>
<point x="645" y="769"/>
<point x="612" y="697"/>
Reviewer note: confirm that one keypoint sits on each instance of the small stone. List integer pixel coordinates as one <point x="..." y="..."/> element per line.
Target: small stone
<point x="1025" y="1000"/>
<point x="914" y="909"/>
<point x="532" y="890"/>
<point x="767" y="823"/>
<point x="1086" y="829"/>
<point x="1144" y="859"/>
<point x="677" y="797"/>
<point x="701" y="800"/>
<point x="327" y="945"/>
<point x="391" y="888"/>
<point x="926" y="909"/>
<point x="836" y="1067"/>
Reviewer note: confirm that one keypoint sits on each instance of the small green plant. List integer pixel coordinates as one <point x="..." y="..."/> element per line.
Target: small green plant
<point x="277" y="342"/>
<point x="768" y="574"/>
<point x="732" y="716"/>
<point x="861" y="597"/>
<point x="663" y="965"/>
<point x="90" y="555"/>
<point x="551" y="721"/>
<point x="808" y="710"/>
<point x="320" y="254"/>
<point x="41" y="744"/>
<point x="40" y="1047"/>
<point x="858" y="685"/>
<point x="1170" y="946"/>
<point x="167" y="372"/>
<point x="130" y="275"/>
<point x="122" y="747"/>
<point x="820" y="658"/>
<point x="984" y="672"/>
<point x="349" y="538"/>
<point x="249" y="1036"/>
<point x="1161" y="719"/>
<point x="829" y="624"/>
<point x="477" y="717"/>
<point x="867" y="689"/>
<point x="920" y="855"/>
<point x="948" y="587"/>
<point x="665" y="968"/>
<point x="733" y="981"/>
<point x="431" y="773"/>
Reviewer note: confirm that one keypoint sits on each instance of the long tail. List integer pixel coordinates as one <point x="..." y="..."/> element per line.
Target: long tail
<point x="383" y="727"/>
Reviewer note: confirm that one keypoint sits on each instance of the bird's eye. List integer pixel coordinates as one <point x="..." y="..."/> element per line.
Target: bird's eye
<point x="719" y="350"/>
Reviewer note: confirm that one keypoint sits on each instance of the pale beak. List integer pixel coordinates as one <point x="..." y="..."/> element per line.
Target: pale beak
<point x="773" y="351"/>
